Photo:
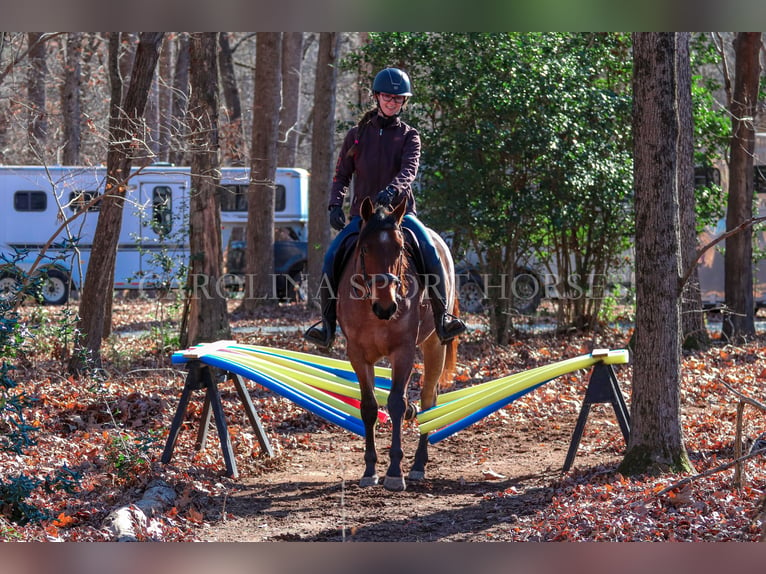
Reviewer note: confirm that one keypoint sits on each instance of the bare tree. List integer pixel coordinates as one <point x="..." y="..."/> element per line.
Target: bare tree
<point x="656" y="441"/>
<point x="70" y="100"/>
<point x="322" y="160"/>
<point x="151" y="133"/>
<point x="233" y="136"/>
<point x="259" y="253"/>
<point x="739" y="323"/>
<point x="37" y="117"/>
<point x="205" y="316"/>
<point x="96" y="299"/>
<point x="165" y="97"/>
<point x="180" y="101"/>
<point x="289" y="114"/>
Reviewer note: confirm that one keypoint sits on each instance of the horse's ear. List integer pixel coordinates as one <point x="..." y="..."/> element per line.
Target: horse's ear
<point x="399" y="211"/>
<point x="366" y="209"/>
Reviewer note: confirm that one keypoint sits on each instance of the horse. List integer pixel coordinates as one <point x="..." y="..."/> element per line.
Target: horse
<point x="383" y="311"/>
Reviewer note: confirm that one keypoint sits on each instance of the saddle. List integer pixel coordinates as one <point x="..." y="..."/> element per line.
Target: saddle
<point x="346" y="250"/>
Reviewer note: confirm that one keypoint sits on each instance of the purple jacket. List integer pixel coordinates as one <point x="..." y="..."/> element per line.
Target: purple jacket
<point x="384" y="156"/>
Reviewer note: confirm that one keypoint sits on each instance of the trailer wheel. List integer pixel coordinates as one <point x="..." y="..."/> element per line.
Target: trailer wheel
<point x="55" y="287"/>
<point x="528" y="292"/>
<point x="9" y="285"/>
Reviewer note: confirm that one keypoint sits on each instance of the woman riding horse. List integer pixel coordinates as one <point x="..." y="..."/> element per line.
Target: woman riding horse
<point x="382" y="154"/>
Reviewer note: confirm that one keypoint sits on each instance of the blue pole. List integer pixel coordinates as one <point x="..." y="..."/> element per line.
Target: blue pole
<point x="327" y="412"/>
<point x="349" y="375"/>
<point x="466" y="421"/>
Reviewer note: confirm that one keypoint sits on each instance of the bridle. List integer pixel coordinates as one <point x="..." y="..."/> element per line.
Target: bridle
<point x="371" y="281"/>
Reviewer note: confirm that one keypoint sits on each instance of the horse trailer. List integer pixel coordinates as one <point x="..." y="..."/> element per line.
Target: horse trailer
<point x="48" y="219"/>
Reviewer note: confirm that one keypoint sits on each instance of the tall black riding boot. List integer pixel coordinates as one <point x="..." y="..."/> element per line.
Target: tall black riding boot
<point x="446" y="324"/>
<point x="322" y="333"/>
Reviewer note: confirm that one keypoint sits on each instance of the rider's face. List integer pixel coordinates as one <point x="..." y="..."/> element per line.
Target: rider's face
<point x="390" y="104"/>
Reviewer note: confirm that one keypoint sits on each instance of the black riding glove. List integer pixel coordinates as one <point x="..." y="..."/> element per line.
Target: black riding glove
<point x="337" y="218"/>
<point x="386" y="196"/>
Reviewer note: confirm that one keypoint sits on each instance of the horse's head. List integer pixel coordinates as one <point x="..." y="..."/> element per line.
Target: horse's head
<point x="381" y="256"/>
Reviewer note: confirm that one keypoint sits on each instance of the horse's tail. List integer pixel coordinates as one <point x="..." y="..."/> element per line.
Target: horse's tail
<point x="450" y="360"/>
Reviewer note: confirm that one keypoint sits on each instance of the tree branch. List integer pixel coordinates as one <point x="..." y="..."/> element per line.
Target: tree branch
<point x="744" y="398"/>
<point x="22" y="55"/>
<point x="705" y="248"/>
<point x="710" y="471"/>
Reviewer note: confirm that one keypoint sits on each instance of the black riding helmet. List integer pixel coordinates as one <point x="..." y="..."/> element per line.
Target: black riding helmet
<point x="392" y="81"/>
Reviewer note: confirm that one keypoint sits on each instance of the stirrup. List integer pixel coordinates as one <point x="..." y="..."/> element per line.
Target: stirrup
<point x="320" y="335"/>
<point x="449" y="327"/>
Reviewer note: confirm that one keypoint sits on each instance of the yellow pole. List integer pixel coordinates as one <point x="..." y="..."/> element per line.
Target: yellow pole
<point x="455" y="399"/>
<point x="294" y="382"/>
<point x="280" y="366"/>
<point x="384" y="372"/>
<point x="496" y="390"/>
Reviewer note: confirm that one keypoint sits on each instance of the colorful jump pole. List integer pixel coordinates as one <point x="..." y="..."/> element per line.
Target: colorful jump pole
<point x="474" y="398"/>
<point x="308" y="384"/>
<point x="337" y="366"/>
<point x="467" y="421"/>
<point x="492" y="393"/>
<point x="310" y="404"/>
<point x="315" y="376"/>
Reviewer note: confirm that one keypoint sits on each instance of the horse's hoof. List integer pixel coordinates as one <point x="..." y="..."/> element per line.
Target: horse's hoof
<point x="369" y="481"/>
<point x="416" y="475"/>
<point x="394" y="483"/>
<point x="411" y="412"/>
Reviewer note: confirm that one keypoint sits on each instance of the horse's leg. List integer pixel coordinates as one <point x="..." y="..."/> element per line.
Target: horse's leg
<point x="401" y="369"/>
<point x="369" y="411"/>
<point x="433" y="364"/>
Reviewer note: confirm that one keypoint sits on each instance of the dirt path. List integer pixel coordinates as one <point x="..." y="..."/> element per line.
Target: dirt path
<point x="480" y="482"/>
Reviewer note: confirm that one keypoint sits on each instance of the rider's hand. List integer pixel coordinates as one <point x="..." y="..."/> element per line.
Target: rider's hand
<point x="337" y="218"/>
<point x="386" y="197"/>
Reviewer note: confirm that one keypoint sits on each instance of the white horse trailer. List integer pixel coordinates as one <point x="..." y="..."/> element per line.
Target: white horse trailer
<point x="47" y="222"/>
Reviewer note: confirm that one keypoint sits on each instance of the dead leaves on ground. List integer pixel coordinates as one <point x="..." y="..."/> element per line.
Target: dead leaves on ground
<point x="81" y="422"/>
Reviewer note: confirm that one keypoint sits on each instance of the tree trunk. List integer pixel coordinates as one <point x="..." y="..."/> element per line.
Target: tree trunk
<point x="656" y="443"/>
<point x="289" y="114"/>
<point x="37" y="118"/>
<point x="165" y="98"/>
<point x="259" y="253"/>
<point x="151" y="132"/>
<point x="234" y="151"/>
<point x="205" y="318"/>
<point x="692" y="319"/>
<point x="739" y="321"/>
<point x="177" y="154"/>
<point x="70" y="100"/>
<point x="96" y="299"/>
<point x="322" y="158"/>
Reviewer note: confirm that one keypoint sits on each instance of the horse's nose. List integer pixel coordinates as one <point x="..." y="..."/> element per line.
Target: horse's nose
<point x="384" y="313"/>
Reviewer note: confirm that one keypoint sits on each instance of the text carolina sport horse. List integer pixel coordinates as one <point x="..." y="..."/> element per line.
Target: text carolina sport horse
<point x="384" y="312"/>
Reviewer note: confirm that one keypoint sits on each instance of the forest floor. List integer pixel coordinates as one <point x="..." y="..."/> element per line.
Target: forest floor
<point x="501" y="479"/>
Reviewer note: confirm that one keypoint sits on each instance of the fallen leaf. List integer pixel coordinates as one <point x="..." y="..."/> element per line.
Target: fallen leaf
<point x="195" y="516"/>
<point x="63" y="520"/>
<point x="490" y="474"/>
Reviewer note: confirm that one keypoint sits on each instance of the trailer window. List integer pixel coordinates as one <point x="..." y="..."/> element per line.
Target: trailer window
<point x="234" y="197"/>
<point x="79" y="199"/>
<point x="162" y="212"/>
<point x="30" y="201"/>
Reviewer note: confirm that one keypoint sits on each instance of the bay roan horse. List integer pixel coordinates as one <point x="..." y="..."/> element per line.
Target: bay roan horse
<point x="383" y="311"/>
